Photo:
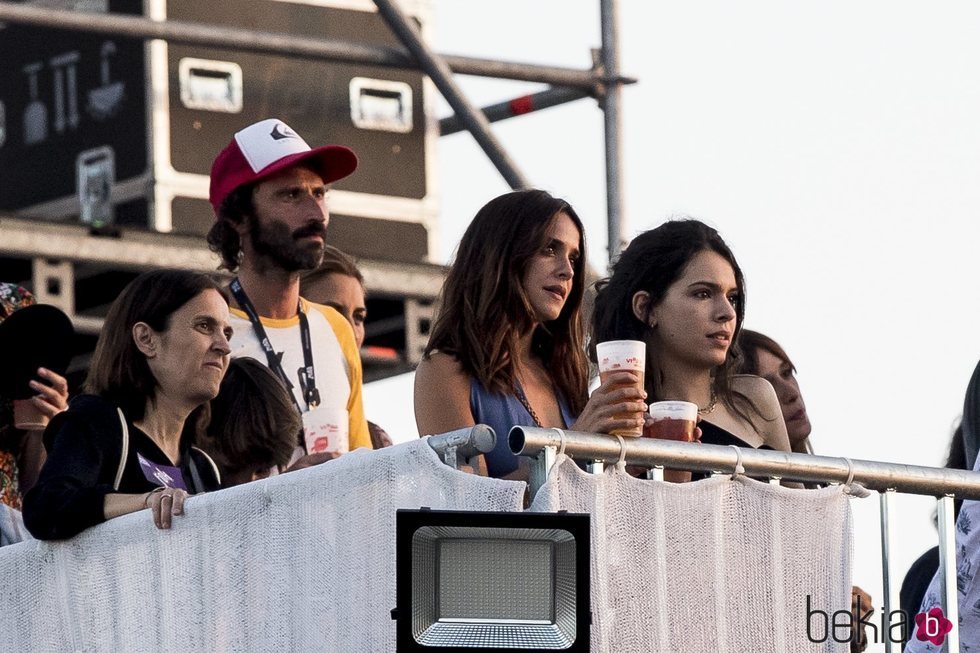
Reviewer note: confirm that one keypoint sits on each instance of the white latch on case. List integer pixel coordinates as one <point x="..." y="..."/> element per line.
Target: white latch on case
<point x="210" y="85"/>
<point x="381" y="104"/>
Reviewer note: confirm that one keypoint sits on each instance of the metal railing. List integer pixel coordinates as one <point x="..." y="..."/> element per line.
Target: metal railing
<point x="459" y="447"/>
<point x="542" y="446"/>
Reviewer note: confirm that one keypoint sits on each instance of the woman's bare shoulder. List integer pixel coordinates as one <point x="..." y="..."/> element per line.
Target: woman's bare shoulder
<point x="442" y="375"/>
<point x="763" y="398"/>
<point x="441" y="364"/>
<point x="442" y="394"/>
<point x="749" y="382"/>
<point x="758" y="391"/>
<point x="752" y="386"/>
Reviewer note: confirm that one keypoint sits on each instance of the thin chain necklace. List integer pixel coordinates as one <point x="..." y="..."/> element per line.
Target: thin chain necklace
<point x="711" y="403"/>
<point x="521" y="397"/>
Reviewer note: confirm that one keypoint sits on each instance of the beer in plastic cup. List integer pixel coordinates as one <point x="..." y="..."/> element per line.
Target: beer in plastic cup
<point x="672" y="420"/>
<point x="620" y="356"/>
<point x="27" y="416"/>
<point x="326" y="429"/>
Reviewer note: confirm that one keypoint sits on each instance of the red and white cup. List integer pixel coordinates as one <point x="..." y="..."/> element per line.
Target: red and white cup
<point x="326" y="429"/>
<point x="622" y="356"/>
<point x="672" y="420"/>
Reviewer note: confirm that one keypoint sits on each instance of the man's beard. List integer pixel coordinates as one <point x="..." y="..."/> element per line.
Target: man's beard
<point x="282" y="248"/>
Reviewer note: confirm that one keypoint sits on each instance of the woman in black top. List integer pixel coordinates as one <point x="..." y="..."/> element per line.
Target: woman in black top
<point x="679" y="289"/>
<point x="126" y="445"/>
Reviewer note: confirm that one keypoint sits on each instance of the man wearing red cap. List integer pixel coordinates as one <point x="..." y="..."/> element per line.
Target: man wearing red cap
<point x="268" y="190"/>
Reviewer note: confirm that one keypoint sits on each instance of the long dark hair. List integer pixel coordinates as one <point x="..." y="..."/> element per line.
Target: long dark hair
<point x="750" y="343"/>
<point x="652" y="262"/>
<point x="485" y="309"/>
<point x="119" y="370"/>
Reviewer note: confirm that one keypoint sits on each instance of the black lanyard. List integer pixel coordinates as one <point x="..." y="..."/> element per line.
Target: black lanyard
<point x="307" y="378"/>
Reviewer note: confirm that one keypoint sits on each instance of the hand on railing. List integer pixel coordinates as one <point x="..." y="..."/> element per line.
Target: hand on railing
<point x="164" y="503"/>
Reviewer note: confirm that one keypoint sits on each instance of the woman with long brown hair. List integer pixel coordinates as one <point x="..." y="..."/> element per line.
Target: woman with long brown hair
<point x="679" y="289"/>
<point x="507" y="345"/>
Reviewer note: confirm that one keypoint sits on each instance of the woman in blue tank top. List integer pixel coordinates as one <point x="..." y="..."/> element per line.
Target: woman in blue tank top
<point x="507" y="347"/>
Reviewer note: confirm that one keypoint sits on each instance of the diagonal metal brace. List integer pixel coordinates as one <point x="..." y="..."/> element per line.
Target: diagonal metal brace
<point x="437" y="69"/>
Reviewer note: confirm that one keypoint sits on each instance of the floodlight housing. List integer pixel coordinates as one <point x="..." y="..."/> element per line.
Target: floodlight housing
<point x="492" y="581"/>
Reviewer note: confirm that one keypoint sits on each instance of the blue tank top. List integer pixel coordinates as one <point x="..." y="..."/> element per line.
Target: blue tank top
<point x="501" y="412"/>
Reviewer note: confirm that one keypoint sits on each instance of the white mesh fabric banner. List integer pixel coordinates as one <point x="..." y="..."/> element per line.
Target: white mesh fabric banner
<point x="717" y="565"/>
<point x="300" y="562"/>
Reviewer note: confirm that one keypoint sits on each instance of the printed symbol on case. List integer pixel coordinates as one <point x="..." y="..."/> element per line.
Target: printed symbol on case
<point x="65" y="90"/>
<point x="96" y="173"/>
<point x="104" y="101"/>
<point x="36" y="113"/>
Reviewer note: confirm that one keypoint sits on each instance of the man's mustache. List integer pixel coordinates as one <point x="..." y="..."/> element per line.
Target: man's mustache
<point x="311" y="229"/>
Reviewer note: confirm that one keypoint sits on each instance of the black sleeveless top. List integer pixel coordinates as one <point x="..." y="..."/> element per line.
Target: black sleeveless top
<point x="712" y="434"/>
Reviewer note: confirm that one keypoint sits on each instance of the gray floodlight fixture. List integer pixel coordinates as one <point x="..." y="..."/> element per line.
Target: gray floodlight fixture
<point x="492" y="581"/>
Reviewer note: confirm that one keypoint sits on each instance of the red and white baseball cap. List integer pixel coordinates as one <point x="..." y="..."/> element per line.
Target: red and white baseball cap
<point x="265" y="148"/>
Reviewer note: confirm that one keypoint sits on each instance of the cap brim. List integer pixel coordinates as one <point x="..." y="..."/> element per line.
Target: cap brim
<point x="32" y="337"/>
<point x="331" y="162"/>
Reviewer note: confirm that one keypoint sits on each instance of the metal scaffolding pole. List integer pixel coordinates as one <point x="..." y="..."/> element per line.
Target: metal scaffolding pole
<point x="520" y="106"/>
<point x="442" y="77"/>
<point x="612" y="99"/>
<point x="948" y="591"/>
<point x="217" y="36"/>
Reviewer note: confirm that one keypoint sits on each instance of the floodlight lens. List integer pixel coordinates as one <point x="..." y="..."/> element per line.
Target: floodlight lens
<point x="492" y="587"/>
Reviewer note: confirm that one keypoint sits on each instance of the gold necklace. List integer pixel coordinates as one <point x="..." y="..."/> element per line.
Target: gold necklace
<point x="711" y="403"/>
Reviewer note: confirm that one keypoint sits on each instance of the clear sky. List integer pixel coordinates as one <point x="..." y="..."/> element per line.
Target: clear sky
<point x="835" y="145"/>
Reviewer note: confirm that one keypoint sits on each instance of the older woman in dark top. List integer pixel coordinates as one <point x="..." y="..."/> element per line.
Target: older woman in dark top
<point x="126" y="445"/>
